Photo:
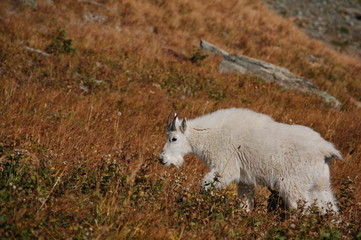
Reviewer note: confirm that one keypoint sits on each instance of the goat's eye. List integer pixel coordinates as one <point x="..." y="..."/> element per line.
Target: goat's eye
<point x="174" y="139"/>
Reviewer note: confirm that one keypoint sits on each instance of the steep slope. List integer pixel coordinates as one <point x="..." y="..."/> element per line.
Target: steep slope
<point x="86" y="87"/>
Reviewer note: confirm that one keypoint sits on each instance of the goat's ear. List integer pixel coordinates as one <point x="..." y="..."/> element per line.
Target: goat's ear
<point x="183" y="125"/>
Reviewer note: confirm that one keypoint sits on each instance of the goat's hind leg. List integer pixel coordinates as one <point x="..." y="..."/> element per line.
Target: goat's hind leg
<point x="325" y="200"/>
<point x="293" y="192"/>
<point x="321" y="192"/>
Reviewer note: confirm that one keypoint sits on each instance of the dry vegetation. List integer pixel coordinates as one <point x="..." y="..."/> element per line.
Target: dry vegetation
<point x="80" y="130"/>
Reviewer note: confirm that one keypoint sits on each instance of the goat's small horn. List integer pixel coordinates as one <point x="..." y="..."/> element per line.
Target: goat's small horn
<point x="173" y="127"/>
<point x="169" y="123"/>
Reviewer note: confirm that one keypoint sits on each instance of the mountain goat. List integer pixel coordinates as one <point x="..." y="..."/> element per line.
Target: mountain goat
<point x="248" y="148"/>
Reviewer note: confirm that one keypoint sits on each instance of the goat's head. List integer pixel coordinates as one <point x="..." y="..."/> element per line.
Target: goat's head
<point x="177" y="144"/>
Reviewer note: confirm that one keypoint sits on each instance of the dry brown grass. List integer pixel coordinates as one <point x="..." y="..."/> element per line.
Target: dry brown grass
<point x="103" y="143"/>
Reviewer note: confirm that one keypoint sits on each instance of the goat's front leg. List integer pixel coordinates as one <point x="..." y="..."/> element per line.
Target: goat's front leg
<point x="212" y="180"/>
<point x="246" y="193"/>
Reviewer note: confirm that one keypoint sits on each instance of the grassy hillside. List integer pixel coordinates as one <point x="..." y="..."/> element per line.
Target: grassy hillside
<point x="81" y="127"/>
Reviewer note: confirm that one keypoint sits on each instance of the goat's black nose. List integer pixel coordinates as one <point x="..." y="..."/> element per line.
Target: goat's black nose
<point x="161" y="160"/>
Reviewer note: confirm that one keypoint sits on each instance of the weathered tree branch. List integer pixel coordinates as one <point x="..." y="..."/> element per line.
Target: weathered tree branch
<point x="37" y="51"/>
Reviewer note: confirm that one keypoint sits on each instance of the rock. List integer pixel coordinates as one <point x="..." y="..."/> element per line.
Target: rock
<point x="93" y="17"/>
<point x="84" y="88"/>
<point x="333" y="21"/>
<point x="243" y="65"/>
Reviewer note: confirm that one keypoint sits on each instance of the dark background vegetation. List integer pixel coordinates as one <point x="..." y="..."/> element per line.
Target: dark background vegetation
<point x="83" y="121"/>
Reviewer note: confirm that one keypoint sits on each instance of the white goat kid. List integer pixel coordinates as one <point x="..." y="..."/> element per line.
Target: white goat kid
<point x="248" y="148"/>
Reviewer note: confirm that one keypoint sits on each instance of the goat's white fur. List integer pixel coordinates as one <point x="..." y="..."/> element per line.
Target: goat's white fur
<point x="248" y="148"/>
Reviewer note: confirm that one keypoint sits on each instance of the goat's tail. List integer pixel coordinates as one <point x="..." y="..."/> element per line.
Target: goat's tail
<point x="331" y="153"/>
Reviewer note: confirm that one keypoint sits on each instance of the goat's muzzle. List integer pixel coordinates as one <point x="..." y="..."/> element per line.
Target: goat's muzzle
<point x="161" y="159"/>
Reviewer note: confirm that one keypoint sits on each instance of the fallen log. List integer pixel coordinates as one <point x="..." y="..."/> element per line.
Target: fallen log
<point x="268" y="72"/>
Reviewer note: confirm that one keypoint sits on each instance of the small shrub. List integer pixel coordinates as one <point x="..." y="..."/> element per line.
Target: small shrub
<point x="198" y="56"/>
<point x="60" y="45"/>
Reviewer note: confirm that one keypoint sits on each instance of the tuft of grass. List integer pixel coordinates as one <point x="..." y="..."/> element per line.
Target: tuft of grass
<point x="198" y="56"/>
